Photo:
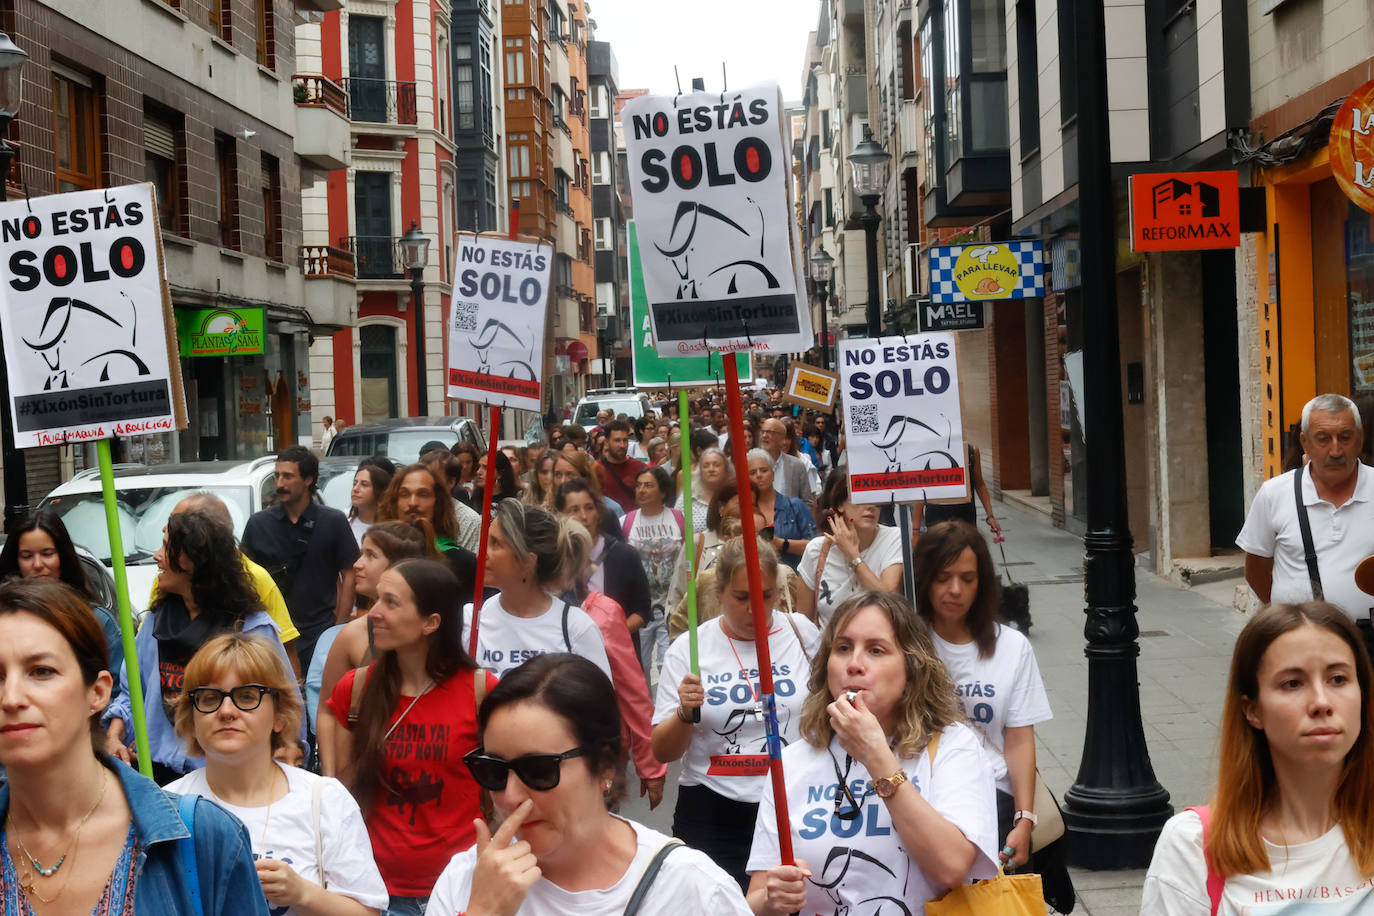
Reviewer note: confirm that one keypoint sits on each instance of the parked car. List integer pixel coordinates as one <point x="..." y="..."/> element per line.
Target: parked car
<point x="146" y="495"/>
<point x="401" y="439"/>
<point x="627" y="401"/>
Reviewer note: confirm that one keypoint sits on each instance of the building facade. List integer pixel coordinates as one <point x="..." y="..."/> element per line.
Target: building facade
<point x="608" y="232"/>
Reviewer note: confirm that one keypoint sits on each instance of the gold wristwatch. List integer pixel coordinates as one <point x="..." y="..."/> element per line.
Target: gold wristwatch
<point x="888" y="785"/>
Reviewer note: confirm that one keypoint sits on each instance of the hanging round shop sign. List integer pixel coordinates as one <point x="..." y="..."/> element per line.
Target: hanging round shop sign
<point x="1352" y="146"/>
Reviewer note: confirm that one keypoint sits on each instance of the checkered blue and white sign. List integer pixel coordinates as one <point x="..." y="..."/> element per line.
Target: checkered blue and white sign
<point x="974" y="273"/>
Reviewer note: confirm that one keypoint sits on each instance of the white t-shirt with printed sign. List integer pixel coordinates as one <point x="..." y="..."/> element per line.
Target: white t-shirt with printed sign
<point x="856" y="863"/>
<point x="1317" y="878"/>
<point x="505" y="641"/>
<point x="688" y="882"/>
<point x="838" y="581"/>
<point x="728" y="752"/>
<point x="1001" y="692"/>
<point x="289" y="826"/>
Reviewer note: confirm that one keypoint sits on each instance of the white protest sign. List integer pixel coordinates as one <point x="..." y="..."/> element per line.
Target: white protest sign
<point x="711" y="179"/>
<point x="89" y="334"/>
<point x="903" y="429"/>
<point x="496" y="325"/>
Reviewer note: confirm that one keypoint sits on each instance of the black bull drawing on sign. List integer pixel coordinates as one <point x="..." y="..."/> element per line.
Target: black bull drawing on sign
<point x="72" y="349"/>
<point x="891" y="440"/>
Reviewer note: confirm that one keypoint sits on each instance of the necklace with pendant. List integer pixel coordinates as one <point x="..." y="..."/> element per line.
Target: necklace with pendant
<point x="35" y="868"/>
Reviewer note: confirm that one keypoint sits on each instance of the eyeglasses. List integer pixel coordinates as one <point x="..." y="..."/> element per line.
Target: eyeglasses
<point x="539" y="772"/>
<point x="246" y="697"/>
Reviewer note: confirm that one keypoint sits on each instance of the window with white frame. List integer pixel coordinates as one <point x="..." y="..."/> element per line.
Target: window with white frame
<point x="605" y="238"/>
<point x="601" y="168"/>
<point x="515" y="60"/>
<point x="519" y="161"/>
<point x="600" y="102"/>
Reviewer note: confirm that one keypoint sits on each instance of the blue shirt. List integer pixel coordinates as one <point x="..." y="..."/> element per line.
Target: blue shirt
<point x="224" y="860"/>
<point x="792" y="521"/>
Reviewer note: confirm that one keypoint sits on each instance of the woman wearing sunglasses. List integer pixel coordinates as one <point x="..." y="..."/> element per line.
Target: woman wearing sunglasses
<point x="551" y="748"/>
<point x="398" y="740"/>
<point x="719" y="732"/>
<point x="309" y="843"/>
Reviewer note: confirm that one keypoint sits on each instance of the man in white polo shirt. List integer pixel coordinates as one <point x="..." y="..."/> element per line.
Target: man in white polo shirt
<point x="1338" y="493"/>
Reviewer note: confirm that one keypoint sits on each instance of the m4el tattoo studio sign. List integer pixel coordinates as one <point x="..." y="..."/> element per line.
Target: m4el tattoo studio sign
<point x="1352" y="147"/>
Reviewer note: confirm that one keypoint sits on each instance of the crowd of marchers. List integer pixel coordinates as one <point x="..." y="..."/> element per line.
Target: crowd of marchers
<point x="326" y="735"/>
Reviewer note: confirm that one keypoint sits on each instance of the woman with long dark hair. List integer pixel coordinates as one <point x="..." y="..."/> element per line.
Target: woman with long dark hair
<point x="369" y="483"/>
<point x="550" y="749"/>
<point x="203" y="590"/>
<point x="1292" y="823"/>
<point x="42" y="548"/>
<point x="398" y="739"/>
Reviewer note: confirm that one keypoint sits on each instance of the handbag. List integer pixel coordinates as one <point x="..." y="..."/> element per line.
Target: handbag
<point x="1015" y="595"/>
<point x="1051" y="826"/>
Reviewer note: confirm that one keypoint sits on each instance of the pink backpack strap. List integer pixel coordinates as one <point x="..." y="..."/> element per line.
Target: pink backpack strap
<point x="681" y="522"/>
<point x="1215" y="881"/>
<point x="629" y="522"/>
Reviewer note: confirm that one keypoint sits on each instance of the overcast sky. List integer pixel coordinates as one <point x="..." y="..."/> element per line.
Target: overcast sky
<point x="759" y="40"/>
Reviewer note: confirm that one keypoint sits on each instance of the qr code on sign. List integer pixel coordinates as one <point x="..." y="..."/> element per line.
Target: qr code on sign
<point x="465" y="316"/>
<point x="863" y="419"/>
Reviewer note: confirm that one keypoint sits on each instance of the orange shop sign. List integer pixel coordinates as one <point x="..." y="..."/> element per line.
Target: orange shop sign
<point x="1352" y="147"/>
<point x="1183" y="211"/>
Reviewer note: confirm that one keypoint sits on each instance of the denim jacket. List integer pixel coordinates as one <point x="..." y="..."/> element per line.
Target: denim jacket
<point x="228" y="881"/>
<point x="163" y="743"/>
<point x="793" y="521"/>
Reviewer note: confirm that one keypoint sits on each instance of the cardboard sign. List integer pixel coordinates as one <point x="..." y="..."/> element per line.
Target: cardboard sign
<point x="711" y="179"/>
<point x="496" y="322"/>
<point x="90" y="339"/>
<point x="973" y="273"/>
<point x="221" y="332"/>
<point x="903" y="426"/>
<point x="1352" y="147"/>
<point x="950" y="316"/>
<point x="811" y="386"/>
<point x="652" y="370"/>
<point x="1184" y="211"/>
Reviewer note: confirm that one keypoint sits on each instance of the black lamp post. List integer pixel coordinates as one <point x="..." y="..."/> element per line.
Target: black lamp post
<point x="12" y="59"/>
<point x="822" y="269"/>
<point x="415" y="254"/>
<point x="1116" y="808"/>
<point x="869" y="161"/>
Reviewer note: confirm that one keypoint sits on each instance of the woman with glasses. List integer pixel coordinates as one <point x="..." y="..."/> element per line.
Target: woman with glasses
<point x="551" y="749"/>
<point x="718" y="731"/>
<point x="203" y="590"/>
<point x="307" y="835"/>
<point x="914" y="811"/>
<point x="397" y="739"/>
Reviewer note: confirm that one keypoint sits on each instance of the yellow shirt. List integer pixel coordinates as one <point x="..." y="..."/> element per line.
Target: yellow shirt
<point x="268" y="593"/>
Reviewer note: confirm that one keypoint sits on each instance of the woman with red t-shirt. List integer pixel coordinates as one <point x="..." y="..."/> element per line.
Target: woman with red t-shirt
<point x="411" y="723"/>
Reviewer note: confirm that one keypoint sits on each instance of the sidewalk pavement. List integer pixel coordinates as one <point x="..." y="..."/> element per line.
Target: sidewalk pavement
<point x="1185" y="652"/>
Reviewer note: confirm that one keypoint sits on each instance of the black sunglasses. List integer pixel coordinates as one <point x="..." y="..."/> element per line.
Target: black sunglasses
<point x="246" y="697"/>
<point x="539" y="772"/>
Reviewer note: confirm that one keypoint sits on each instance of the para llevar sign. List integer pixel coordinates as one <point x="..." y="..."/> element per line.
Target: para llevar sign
<point x="1185" y="211"/>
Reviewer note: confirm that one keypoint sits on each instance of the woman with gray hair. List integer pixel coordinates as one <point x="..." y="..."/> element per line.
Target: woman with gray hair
<point x="709" y="471"/>
<point x="532" y="556"/>
<point x="790" y="521"/>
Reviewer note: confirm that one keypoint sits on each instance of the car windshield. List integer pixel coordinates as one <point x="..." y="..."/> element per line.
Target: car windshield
<point x="403" y="445"/>
<point x="143" y="513"/>
<point x="586" y="411"/>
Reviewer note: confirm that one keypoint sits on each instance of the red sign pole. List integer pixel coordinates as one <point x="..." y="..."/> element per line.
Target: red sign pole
<point x="738" y="450"/>
<point x="493" y="438"/>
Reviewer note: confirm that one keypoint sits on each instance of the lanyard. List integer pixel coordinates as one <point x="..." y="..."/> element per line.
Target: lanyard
<point x="842" y="792"/>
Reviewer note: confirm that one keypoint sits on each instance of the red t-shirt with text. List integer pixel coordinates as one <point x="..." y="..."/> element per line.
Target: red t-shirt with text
<point x="423" y="817"/>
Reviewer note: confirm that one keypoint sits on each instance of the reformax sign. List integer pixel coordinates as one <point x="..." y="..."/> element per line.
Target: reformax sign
<point x="1185" y="211"/>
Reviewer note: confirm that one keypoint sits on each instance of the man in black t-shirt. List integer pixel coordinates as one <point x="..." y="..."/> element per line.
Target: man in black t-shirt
<point x="308" y="548"/>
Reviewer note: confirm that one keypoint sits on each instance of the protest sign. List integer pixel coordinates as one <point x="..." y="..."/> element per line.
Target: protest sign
<point x="809" y="386"/>
<point x="902" y="422"/>
<point x="497" y="319"/>
<point x="711" y="179"/>
<point x="652" y="370"/>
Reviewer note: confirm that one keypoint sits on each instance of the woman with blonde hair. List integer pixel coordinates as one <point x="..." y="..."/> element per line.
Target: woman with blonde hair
<point x="239" y="707"/>
<point x="890" y="795"/>
<point x="539" y="490"/>
<point x="1293" y="814"/>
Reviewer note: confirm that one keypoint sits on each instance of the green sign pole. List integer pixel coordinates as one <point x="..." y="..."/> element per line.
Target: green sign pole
<point x="690" y="542"/>
<point x="133" y="681"/>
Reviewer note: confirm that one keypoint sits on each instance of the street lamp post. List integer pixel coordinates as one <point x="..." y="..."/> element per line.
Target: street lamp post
<point x="869" y="161"/>
<point x="822" y="269"/>
<point x="12" y="59"/>
<point x="415" y="254"/>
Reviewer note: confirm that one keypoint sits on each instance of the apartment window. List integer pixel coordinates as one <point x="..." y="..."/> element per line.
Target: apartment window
<point x="563" y="270"/>
<point x="561" y="187"/>
<point x="1027" y="77"/>
<point x="1068" y="61"/>
<point x="560" y="103"/>
<point x="825" y="129"/>
<point x="164" y="153"/>
<point x="601" y="101"/>
<point x="516" y="95"/>
<point x="271" y="208"/>
<point x="829" y="208"/>
<point x="556" y="23"/>
<point x="226" y="198"/>
<point x="953" y="111"/>
<point x="520" y="189"/>
<point x="221" y="20"/>
<point x="266" y="31"/>
<point x="462" y="72"/>
<point x="601" y="168"/>
<point x="515" y="60"/>
<point x="519" y="156"/>
<point x="485" y="91"/>
<point x="76" y="132"/>
<point x="605" y="236"/>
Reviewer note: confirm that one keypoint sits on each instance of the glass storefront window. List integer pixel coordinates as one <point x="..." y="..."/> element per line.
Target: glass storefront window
<point x="1359" y="263"/>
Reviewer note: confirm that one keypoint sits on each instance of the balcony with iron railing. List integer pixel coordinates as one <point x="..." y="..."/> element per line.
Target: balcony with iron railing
<point x="378" y="257"/>
<point x="377" y="101"/>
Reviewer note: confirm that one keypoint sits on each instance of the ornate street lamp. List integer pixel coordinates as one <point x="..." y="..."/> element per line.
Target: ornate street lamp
<point x="12" y="58"/>
<point x="415" y="255"/>
<point x="822" y="269"/>
<point x="869" y="161"/>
